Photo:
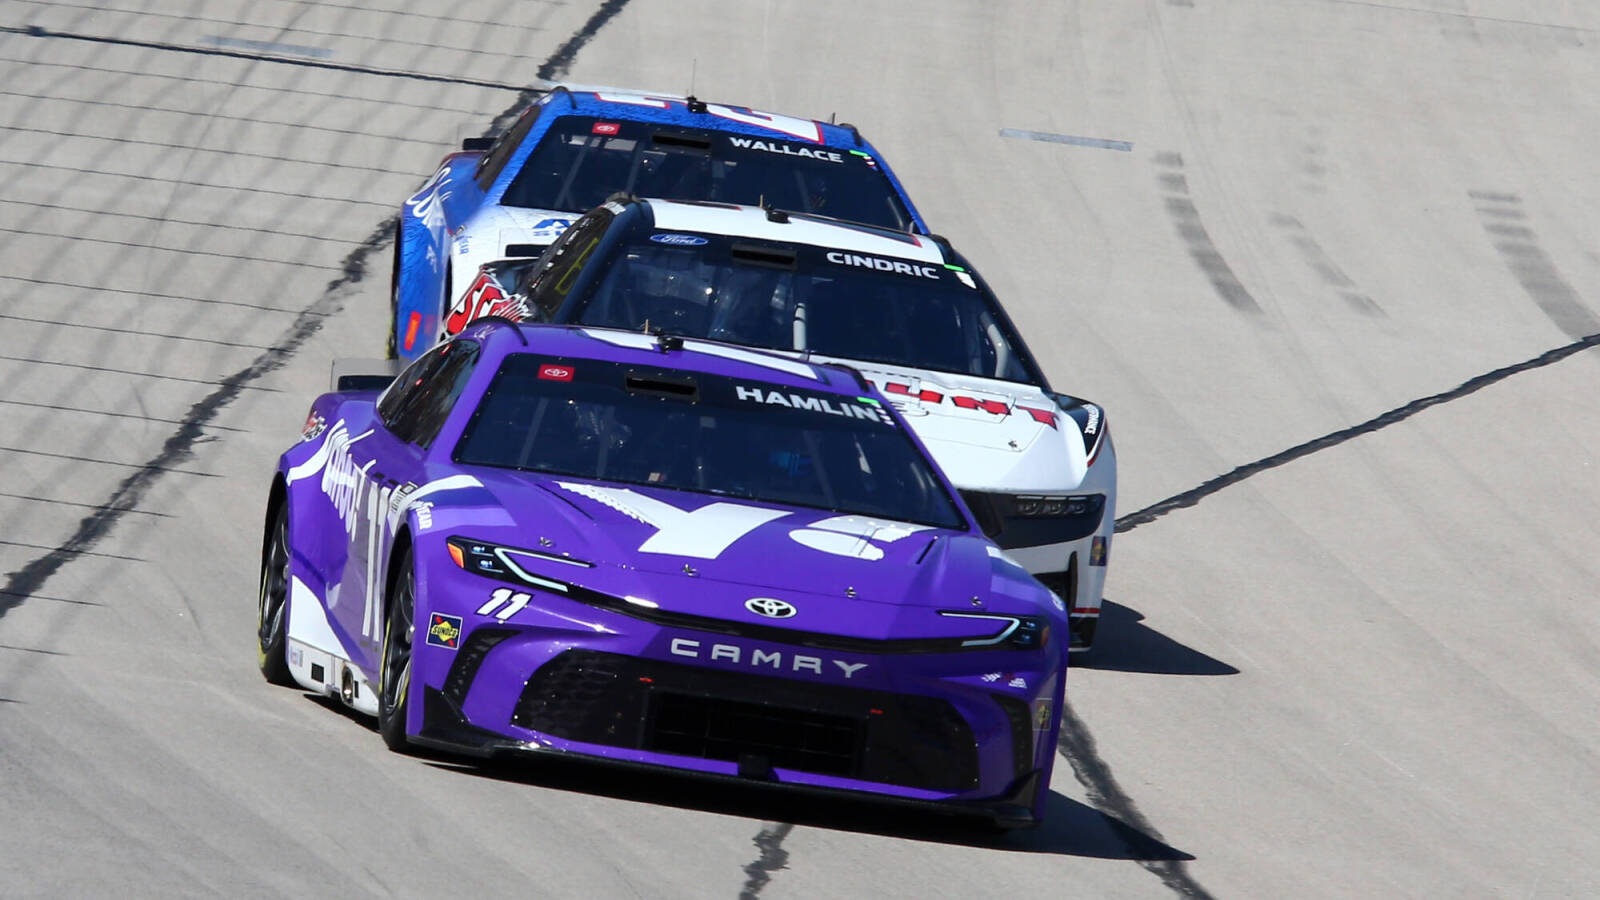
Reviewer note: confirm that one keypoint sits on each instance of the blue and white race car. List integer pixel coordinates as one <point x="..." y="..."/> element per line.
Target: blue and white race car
<point x="574" y="148"/>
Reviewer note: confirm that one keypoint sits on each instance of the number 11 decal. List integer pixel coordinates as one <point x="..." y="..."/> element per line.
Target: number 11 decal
<point x="504" y="603"/>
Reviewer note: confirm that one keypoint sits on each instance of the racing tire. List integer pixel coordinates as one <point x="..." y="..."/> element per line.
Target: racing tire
<point x="272" y="611"/>
<point x="394" y="679"/>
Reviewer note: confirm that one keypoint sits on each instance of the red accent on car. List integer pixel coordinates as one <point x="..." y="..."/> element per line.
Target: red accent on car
<point x="1084" y="611"/>
<point x="474" y="304"/>
<point x="411" y="330"/>
<point x="988" y="406"/>
<point x="1042" y="416"/>
<point x="555" y="373"/>
<point x="606" y="128"/>
<point x="926" y="396"/>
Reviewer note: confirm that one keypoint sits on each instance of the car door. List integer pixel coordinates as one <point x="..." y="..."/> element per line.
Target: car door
<point x="390" y="463"/>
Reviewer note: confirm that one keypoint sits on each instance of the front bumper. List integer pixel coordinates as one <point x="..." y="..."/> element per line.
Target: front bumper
<point x="1067" y="554"/>
<point x="966" y="732"/>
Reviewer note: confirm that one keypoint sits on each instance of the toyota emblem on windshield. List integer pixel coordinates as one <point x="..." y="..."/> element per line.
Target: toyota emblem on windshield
<point x="769" y="607"/>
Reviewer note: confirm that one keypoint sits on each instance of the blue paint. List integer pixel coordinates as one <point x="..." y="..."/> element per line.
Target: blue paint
<point x="1100" y="143"/>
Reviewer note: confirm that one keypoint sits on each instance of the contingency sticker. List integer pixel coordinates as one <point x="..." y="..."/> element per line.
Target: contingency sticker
<point x="444" y="631"/>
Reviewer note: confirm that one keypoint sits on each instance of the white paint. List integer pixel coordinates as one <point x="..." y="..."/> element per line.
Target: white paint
<point x="752" y="222"/>
<point x="703" y="534"/>
<point x="640" y="341"/>
<point x="853" y="535"/>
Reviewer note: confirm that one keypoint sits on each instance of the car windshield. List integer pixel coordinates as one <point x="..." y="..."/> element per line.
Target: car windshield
<point x="799" y="298"/>
<point x="692" y="431"/>
<point x="581" y="161"/>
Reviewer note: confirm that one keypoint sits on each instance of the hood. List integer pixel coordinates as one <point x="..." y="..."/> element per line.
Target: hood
<point x="985" y="433"/>
<point x="707" y="556"/>
<point x="486" y="235"/>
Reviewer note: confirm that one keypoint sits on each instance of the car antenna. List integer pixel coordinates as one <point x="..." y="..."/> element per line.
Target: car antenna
<point x="665" y="342"/>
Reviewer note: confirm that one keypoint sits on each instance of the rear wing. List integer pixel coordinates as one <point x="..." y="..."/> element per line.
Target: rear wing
<point x="363" y="374"/>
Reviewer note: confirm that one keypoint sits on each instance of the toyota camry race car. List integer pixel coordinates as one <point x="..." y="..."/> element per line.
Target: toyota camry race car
<point x="574" y="148"/>
<point x="661" y="552"/>
<point x="1036" y="467"/>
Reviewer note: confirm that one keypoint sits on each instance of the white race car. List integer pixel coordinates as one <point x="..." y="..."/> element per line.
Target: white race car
<point x="906" y="311"/>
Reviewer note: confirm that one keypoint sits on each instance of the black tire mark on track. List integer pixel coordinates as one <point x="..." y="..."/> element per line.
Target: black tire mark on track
<point x="155" y="334"/>
<point x="5" y="605"/>
<point x="1395" y="7"/>
<point x="223" y="226"/>
<point x="33" y="650"/>
<point x="116" y="415"/>
<point x="769" y="840"/>
<point x="54" y="501"/>
<point x="250" y="120"/>
<point x="358" y="7"/>
<point x="190" y="20"/>
<point x="555" y="68"/>
<point x="106" y="462"/>
<point x="1320" y="262"/>
<point x="1076" y="745"/>
<point x="1518" y="246"/>
<point x="38" y="32"/>
<point x="281" y="93"/>
<point x="150" y="295"/>
<point x="1186" y="219"/>
<point x="57" y="599"/>
<point x="341" y="168"/>
<point x="22" y="583"/>
<point x="185" y="251"/>
<point x="108" y="369"/>
<point x="230" y="188"/>
<point x="1471" y="386"/>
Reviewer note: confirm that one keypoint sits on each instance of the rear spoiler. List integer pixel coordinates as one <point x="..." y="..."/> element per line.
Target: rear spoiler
<point x="363" y="374"/>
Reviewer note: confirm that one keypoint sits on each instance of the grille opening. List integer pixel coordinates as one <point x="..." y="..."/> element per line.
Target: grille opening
<point x="468" y="660"/>
<point x="770" y="257"/>
<point x="1021" y="723"/>
<point x="680" y="143"/>
<point x="678" y="389"/>
<point x="728" y="730"/>
<point x="623" y="701"/>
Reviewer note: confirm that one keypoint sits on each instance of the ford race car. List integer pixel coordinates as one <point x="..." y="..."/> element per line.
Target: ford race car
<point x="660" y="552"/>
<point x="1037" y="467"/>
<point x="573" y="148"/>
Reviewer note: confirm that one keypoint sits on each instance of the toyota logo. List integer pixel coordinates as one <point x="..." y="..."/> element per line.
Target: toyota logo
<point x="767" y="606"/>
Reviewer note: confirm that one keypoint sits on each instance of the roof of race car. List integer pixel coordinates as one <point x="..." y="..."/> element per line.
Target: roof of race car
<point x="695" y="355"/>
<point x="673" y="109"/>
<point x="753" y="222"/>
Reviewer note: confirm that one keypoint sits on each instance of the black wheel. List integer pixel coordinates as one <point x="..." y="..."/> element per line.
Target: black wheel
<point x="395" y="679"/>
<point x="273" y="610"/>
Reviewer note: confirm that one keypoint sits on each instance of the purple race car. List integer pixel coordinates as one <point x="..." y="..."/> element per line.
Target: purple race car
<point x="664" y="552"/>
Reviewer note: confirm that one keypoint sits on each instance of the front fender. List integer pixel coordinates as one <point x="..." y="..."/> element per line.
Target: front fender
<point x="428" y="218"/>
